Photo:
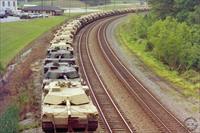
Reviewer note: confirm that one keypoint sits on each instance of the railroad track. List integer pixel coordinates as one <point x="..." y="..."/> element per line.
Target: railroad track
<point x="113" y="118"/>
<point x="165" y="120"/>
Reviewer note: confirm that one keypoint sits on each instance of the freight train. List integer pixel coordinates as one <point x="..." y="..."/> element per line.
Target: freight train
<point x="66" y="103"/>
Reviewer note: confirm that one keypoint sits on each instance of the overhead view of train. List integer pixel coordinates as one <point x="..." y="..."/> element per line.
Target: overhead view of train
<point x="66" y="102"/>
<point x="99" y="66"/>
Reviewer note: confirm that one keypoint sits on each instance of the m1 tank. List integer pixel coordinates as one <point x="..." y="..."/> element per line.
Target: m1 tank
<point x="67" y="38"/>
<point x="60" y="54"/>
<point x="53" y="66"/>
<point x="57" y="56"/>
<point x="60" y="46"/>
<point x="67" y="107"/>
<point x="61" y="72"/>
<point x="71" y="61"/>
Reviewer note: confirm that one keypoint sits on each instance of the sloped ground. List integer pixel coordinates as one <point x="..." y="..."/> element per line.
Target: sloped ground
<point x="167" y="93"/>
<point x="23" y="84"/>
<point x="14" y="36"/>
<point x="20" y="78"/>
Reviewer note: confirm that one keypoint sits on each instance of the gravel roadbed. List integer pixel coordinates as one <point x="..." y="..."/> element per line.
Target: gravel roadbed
<point x="126" y="102"/>
<point x="181" y="106"/>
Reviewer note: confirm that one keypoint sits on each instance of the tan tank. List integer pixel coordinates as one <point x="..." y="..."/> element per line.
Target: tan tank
<point x="61" y="72"/>
<point x="53" y="66"/>
<point x="71" y="61"/>
<point x="67" y="107"/>
<point x="60" y="46"/>
<point x="67" y="40"/>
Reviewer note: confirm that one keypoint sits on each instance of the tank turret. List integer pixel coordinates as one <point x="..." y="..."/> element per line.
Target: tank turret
<point x="67" y="107"/>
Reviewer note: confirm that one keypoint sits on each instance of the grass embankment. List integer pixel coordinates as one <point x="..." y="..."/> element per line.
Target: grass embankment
<point x="9" y="120"/>
<point x="125" y="38"/>
<point x="14" y="36"/>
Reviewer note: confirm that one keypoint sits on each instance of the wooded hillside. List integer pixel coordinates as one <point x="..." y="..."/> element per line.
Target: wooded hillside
<point x="170" y="33"/>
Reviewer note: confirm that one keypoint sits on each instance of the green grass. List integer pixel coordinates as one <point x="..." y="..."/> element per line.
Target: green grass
<point x="188" y="88"/>
<point x="28" y="126"/>
<point x="14" y="36"/>
<point x="9" y="120"/>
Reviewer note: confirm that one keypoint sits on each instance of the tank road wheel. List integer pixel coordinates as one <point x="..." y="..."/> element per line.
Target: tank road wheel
<point x="47" y="127"/>
<point x="92" y="125"/>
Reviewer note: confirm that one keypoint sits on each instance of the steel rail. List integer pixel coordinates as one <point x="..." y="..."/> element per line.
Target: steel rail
<point x="88" y="82"/>
<point x="95" y="96"/>
<point x="102" y="39"/>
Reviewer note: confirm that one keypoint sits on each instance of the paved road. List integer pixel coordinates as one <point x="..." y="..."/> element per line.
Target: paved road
<point x="9" y="19"/>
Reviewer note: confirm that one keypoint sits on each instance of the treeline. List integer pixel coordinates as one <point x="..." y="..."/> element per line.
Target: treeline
<point x="182" y="10"/>
<point x="171" y="33"/>
<point x="175" y="44"/>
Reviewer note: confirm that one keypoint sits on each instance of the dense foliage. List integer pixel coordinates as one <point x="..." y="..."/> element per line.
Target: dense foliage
<point x="183" y="10"/>
<point x="171" y="33"/>
<point x="176" y="40"/>
<point x="175" y="44"/>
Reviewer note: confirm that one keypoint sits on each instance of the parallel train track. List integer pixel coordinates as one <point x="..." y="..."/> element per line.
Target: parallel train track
<point x="164" y="118"/>
<point x="113" y="118"/>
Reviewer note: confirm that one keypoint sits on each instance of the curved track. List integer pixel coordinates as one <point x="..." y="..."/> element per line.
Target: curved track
<point x="111" y="115"/>
<point x="113" y="118"/>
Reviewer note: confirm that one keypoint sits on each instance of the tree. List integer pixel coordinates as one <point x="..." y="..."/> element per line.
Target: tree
<point x="180" y="9"/>
<point x="170" y="39"/>
<point x="194" y="17"/>
<point x="162" y="8"/>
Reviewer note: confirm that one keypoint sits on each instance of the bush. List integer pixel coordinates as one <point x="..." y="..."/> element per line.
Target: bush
<point x="175" y="44"/>
<point x="191" y="76"/>
<point x="139" y="26"/>
<point x="9" y="120"/>
<point x="149" y="47"/>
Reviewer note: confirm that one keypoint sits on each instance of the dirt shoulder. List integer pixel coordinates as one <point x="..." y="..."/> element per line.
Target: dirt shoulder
<point x="181" y="106"/>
